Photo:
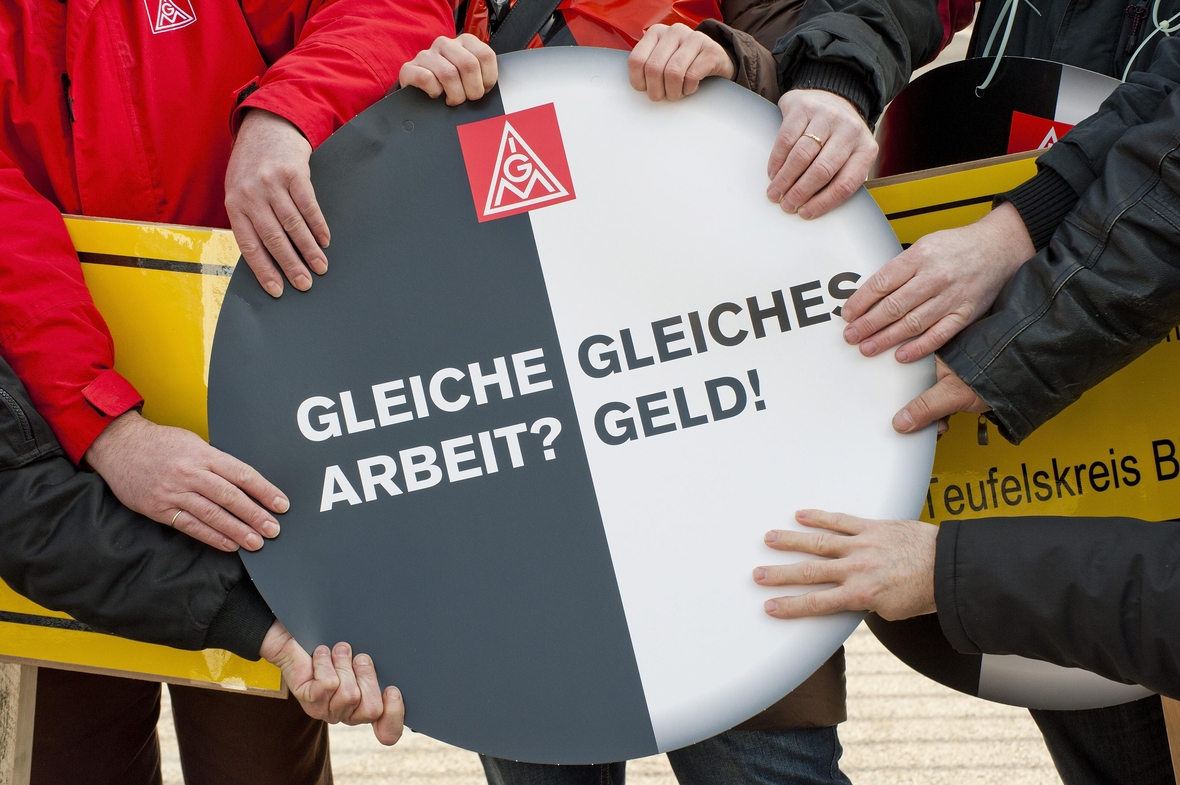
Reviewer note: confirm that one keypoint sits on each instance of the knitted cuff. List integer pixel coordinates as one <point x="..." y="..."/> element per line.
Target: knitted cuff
<point x="242" y="622"/>
<point x="843" y="80"/>
<point x="1043" y="203"/>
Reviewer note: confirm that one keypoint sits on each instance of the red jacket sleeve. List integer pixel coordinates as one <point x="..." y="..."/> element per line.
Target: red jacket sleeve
<point x="50" y="332"/>
<point x="332" y="59"/>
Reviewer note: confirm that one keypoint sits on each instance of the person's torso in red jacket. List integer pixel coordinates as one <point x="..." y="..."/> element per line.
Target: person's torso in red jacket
<point x="151" y="85"/>
<point x="613" y="24"/>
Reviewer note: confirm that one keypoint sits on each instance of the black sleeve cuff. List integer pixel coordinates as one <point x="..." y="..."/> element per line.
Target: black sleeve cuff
<point x="1043" y="203"/>
<point x="945" y="589"/>
<point x="242" y="622"/>
<point x="843" y="80"/>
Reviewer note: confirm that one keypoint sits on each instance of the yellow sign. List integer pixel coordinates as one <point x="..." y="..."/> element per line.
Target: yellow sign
<point x="160" y="289"/>
<point x="1114" y="452"/>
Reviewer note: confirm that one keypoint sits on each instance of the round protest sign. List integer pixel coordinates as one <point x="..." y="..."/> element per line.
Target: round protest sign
<point x="943" y="118"/>
<point x="567" y="368"/>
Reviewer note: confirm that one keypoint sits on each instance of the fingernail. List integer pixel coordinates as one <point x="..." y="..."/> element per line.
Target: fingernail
<point x="760" y="574"/>
<point x="903" y="356"/>
<point x="789" y="208"/>
<point x="323" y="241"/>
<point x="363" y="660"/>
<point x="774" y="194"/>
<point x="771" y="606"/>
<point x="805" y="214"/>
<point x="302" y="282"/>
<point x="772" y="536"/>
<point x="270" y="529"/>
<point x="341" y="650"/>
<point x="253" y="541"/>
<point x="320" y="266"/>
<point x="850" y="335"/>
<point x="868" y="348"/>
<point x="281" y="504"/>
<point x="394" y="693"/>
<point x="845" y="315"/>
<point x="273" y="288"/>
<point x="903" y="422"/>
<point x="322" y="651"/>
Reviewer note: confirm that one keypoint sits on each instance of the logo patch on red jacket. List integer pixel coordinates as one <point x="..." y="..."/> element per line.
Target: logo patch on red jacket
<point x="166" y="15"/>
<point x="1029" y="132"/>
<point x="516" y="163"/>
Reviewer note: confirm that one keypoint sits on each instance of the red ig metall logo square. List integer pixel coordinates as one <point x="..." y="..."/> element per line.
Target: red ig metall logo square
<point x="516" y="163"/>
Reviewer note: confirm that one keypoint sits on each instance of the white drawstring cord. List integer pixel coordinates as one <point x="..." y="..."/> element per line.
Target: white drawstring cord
<point x="1164" y="27"/>
<point x="1012" y="6"/>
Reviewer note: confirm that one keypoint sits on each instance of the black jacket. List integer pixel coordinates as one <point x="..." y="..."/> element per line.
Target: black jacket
<point x="1101" y="594"/>
<point x="1106" y="288"/>
<point x="67" y="544"/>
<point x="1098" y="35"/>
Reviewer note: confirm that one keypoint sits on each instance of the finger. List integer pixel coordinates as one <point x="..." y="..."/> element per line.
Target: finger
<point x="832" y="521"/>
<point x="802" y="151"/>
<point x="943" y="426"/>
<point x="447" y="75"/>
<point x="679" y="64"/>
<point x="291" y="218"/>
<point x="347" y="697"/>
<point x="655" y="71"/>
<point x="894" y="274"/>
<point x="637" y="60"/>
<point x="934" y="338"/>
<point x="388" y="729"/>
<point x="235" y="504"/>
<point x="830" y="159"/>
<point x="486" y="56"/>
<point x="793" y="125"/>
<point x="815" y="603"/>
<point x="920" y="314"/>
<point x="270" y="230"/>
<point x="893" y="291"/>
<point x="214" y="515"/>
<point x="804" y="573"/>
<point x="415" y="75"/>
<point x="194" y="527"/>
<point x="246" y="477"/>
<point x="816" y="543"/>
<point x="303" y="194"/>
<point x="370" y="707"/>
<point x="254" y="252"/>
<point x="942" y="400"/>
<point x="323" y="685"/>
<point x="846" y="182"/>
<point x="470" y="72"/>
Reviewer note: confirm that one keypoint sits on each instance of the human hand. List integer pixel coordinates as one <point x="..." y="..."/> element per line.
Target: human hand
<point x="670" y="62"/>
<point x="335" y="687"/>
<point x="881" y="566"/>
<point x="173" y="477"/>
<point x="811" y="177"/>
<point x="271" y="204"/>
<point x="937" y="286"/>
<point x="948" y="395"/>
<point x="464" y="68"/>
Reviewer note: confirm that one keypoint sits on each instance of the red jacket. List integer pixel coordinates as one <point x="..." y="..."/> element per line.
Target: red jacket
<point x="124" y="109"/>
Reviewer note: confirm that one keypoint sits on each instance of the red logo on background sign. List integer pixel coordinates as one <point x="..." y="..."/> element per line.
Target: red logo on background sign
<point x="516" y="163"/>
<point x="1030" y="132"/>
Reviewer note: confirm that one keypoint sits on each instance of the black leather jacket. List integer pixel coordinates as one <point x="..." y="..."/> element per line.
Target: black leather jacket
<point x="1101" y="594"/>
<point x="67" y="544"/>
<point x="1106" y="287"/>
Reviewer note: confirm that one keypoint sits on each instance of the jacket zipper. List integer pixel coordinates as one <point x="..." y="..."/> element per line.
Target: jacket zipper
<point x="19" y="413"/>
<point x="65" y="89"/>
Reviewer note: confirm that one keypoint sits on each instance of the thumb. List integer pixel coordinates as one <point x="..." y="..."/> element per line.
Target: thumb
<point x="945" y="398"/>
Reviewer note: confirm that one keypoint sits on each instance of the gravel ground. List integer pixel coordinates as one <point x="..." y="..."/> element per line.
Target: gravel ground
<point x="902" y="728"/>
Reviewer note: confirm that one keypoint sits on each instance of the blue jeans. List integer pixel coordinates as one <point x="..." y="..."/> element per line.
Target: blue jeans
<point x="808" y="756"/>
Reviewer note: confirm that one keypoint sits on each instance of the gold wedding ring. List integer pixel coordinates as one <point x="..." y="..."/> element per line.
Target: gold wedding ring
<point x="816" y="138"/>
<point x="174" y="517"/>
